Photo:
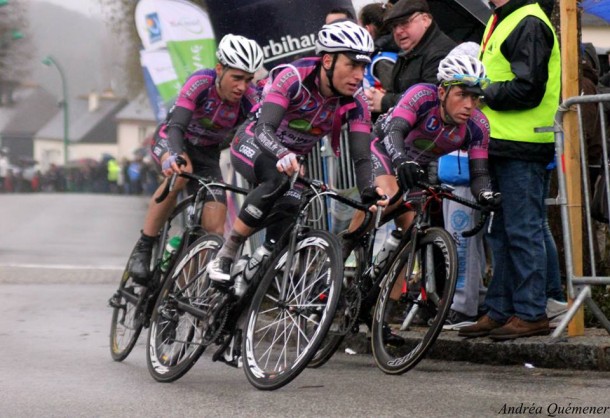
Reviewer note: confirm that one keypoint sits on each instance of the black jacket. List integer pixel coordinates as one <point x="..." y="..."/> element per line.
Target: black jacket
<point x="528" y="49"/>
<point x="420" y="65"/>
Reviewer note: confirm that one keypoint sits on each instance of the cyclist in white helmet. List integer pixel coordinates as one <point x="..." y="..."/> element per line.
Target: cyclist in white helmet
<point x="302" y="102"/>
<point x="209" y="106"/>
<point x="430" y="121"/>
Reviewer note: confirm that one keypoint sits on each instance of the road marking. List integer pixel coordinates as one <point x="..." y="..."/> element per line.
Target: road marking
<point x="62" y="266"/>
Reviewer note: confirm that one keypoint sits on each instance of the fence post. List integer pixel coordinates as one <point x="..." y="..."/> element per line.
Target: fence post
<point x="570" y="88"/>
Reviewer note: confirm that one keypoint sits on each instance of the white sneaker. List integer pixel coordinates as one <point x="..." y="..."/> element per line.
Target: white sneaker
<point x="555" y="311"/>
<point x="219" y="270"/>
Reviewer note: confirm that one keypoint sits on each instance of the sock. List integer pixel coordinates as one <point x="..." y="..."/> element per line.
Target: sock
<point x="147" y="238"/>
<point x="231" y="246"/>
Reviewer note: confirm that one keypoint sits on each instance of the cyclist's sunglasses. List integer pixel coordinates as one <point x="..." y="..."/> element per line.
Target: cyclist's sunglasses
<point x="469" y="80"/>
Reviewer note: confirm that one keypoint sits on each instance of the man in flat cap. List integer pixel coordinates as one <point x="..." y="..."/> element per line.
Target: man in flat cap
<point x="423" y="46"/>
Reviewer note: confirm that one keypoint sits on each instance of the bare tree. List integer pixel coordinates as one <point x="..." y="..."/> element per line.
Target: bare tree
<point x="119" y="16"/>
<point x="16" y="48"/>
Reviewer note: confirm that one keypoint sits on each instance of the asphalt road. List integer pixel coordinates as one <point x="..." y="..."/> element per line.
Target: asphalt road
<point x="59" y="259"/>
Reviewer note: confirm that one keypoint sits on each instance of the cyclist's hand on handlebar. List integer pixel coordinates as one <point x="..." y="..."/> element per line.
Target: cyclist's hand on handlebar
<point x="374" y="197"/>
<point x="489" y="200"/>
<point x="408" y="174"/>
<point x="288" y="164"/>
<point x="171" y="163"/>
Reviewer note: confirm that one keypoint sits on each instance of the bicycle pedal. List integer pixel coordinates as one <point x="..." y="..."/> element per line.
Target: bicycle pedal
<point x="219" y="354"/>
<point x="235" y="362"/>
<point x="167" y="315"/>
<point x="115" y="302"/>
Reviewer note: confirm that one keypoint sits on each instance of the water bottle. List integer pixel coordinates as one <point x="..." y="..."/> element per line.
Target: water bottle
<point x="259" y="256"/>
<point x="237" y="272"/>
<point x="389" y="246"/>
<point x="170" y="249"/>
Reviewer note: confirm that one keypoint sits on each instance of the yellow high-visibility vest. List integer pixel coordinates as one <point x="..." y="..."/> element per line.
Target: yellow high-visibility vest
<point x="518" y="125"/>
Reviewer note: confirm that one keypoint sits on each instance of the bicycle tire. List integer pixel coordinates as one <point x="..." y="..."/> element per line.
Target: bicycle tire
<point x="315" y="284"/>
<point x="438" y="248"/>
<point x="127" y="317"/>
<point x="352" y="275"/>
<point x="176" y="337"/>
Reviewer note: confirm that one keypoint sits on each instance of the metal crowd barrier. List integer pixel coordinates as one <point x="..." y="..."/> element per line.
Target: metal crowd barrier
<point x="579" y="287"/>
<point x="338" y="172"/>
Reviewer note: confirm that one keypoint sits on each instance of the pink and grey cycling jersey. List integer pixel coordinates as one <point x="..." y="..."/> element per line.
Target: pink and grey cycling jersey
<point x="307" y="115"/>
<point x="414" y="130"/>
<point x="213" y="120"/>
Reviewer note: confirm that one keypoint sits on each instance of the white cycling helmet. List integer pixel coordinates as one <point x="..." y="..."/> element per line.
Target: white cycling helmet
<point x="238" y="52"/>
<point x="464" y="70"/>
<point x="347" y="37"/>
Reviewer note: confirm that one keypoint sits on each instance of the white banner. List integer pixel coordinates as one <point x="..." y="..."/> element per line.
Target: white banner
<point x="160" y="21"/>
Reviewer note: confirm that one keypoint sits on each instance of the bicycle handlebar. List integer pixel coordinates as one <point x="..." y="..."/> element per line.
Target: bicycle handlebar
<point x="324" y="188"/>
<point x="204" y="181"/>
<point x="446" y="191"/>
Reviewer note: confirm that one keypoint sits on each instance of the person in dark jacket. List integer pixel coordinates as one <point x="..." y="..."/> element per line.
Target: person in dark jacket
<point x="524" y="95"/>
<point x="379" y="71"/>
<point x="423" y="46"/>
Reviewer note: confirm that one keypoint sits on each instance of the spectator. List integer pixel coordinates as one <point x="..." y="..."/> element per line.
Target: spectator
<point x="379" y="72"/>
<point x="338" y="13"/>
<point x="113" y="169"/>
<point x="423" y="46"/>
<point x="523" y="95"/>
<point x="35" y="182"/>
<point x="9" y="181"/>
<point x="134" y="174"/>
<point x="4" y="166"/>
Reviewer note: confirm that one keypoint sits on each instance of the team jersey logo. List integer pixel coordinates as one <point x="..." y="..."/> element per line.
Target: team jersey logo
<point x="209" y="106"/>
<point x="303" y="125"/>
<point x="209" y="124"/>
<point x="433" y="124"/>
<point x="311" y="104"/>
<point x="427" y="145"/>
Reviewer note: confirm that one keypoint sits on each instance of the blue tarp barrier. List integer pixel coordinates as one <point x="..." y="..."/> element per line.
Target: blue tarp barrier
<point x="599" y="8"/>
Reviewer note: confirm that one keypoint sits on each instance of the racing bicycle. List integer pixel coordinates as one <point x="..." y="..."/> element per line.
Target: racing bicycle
<point x="275" y="326"/>
<point x="422" y="270"/>
<point x="132" y="303"/>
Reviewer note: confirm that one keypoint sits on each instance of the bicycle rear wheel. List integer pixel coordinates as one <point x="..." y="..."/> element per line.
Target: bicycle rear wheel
<point x="128" y="316"/>
<point x="431" y="286"/>
<point x="284" y="329"/>
<point x="184" y="313"/>
<point x="347" y="310"/>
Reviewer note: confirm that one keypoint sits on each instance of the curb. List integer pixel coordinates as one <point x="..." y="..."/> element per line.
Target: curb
<point x="588" y="352"/>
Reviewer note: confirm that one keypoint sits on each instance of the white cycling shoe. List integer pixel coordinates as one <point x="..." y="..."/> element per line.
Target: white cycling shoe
<point x="219" y="270"/>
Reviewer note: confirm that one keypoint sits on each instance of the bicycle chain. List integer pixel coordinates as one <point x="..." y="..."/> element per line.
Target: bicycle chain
<point x="350" y="302"/>
<point x="217" y="320"/>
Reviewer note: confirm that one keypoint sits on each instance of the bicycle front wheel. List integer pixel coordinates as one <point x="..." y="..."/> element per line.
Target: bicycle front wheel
<point x="291" y="313"/>
<point x="429" y="275"/>
<point x="184" y="312"/>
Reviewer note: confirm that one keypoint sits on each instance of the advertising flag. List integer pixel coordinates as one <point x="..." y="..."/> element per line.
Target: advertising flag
<point x="178" y="40"/>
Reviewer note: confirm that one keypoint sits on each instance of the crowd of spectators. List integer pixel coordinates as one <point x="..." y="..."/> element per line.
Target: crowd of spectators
<point x="129" y="177"/>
